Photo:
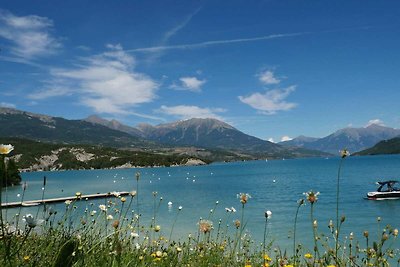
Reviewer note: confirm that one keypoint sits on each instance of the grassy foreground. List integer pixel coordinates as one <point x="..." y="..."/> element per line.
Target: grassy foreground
<point x="113" y="234"/>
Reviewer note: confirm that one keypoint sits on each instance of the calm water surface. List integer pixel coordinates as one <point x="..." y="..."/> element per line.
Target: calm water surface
<point x="275" y="185"/>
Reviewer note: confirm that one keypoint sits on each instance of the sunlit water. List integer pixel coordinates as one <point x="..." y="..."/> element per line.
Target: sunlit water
<point x="274" y="185"/>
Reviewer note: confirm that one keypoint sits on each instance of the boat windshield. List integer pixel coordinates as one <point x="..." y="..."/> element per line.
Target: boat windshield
<point x="388" y="186"/>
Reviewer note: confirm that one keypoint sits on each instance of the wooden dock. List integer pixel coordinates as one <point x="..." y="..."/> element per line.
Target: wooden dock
<point x="29" y="203"/>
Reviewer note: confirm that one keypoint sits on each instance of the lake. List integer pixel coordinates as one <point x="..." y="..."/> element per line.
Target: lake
<point x="274" y="185"/>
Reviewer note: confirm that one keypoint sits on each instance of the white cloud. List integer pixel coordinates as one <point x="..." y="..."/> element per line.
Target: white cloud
<point x="189" y="83"/>
<point x="286" y="138"/>
<point x="271" y="140"/>
<point x="106" y="82"/>
<point x="188" y="112"/>
<point x="267" y="77"/>
<point x="375" y="121"/>
<point x="7" y="105"/>
<point x="30" y="35"/>
<point x="271" y="101"/>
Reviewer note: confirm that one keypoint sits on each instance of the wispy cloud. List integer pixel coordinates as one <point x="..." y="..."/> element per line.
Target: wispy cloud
<point x="51" y="91"/>
<point x="106" y="82"/>
<point x="29" y="35"/>
<point x="267" y="77"/>
<point x="271" y="101"/>
<point x="216" y="42"/>
<point x="189" y="83"/>
<point x="7" y="105"/>
<point x="168" y="35"/>
<point x="188" y="112"/>
<point x="178" y="27"/>
<point x="375" y="121"/>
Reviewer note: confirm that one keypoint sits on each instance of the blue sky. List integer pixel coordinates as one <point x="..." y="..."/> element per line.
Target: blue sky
<point x="272" y="69"/>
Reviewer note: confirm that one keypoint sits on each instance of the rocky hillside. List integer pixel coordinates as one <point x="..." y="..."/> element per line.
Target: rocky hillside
<point x="34" y="156"/>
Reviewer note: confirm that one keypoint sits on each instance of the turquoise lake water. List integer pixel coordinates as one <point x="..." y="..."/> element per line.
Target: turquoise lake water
<point x="275" y="185"/>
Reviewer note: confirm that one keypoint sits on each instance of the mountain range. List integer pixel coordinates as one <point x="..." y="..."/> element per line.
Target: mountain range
<point x="210" y="138"/>
<point x="353" y="139"/>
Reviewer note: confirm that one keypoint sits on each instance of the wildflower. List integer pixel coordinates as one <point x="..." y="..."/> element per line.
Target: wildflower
<point x="288" y="265"/>
<point x="330" y="224"/>
<point x="137" y="175"/>
<point x="228" y="210"/>
<point x="237" y="224"/>
<point x="134" y="235"/>
<point x="6" y="149"/>
<point x="331" y="265"/>
<point x="30" y="220"/>
<point x="344" y="153"/>
<point x="366" y="234"/>
<point x="233" y="209"/>
<point x="244" y="197"/>
<point x="378" y="219"/>
<point x="308" y="256"/>
<point x="205" y="226"/>
<point x="311" y="196"/>
<point x="123" y="199"/>
<point x="315" y="224"/>
<point x="157" y="228"/>
<point x="159" y="254"/>
<point x="179" y="249"/>
<point x="115" y="224"/>
<point x="395" y="232"/>
<point x="268" y="214"/>
<point x="351" y="236"/>
<point x="267" y="258"/>
<point x="180" y="208"/>
<point x="132" y="193"/>
<point x="78" y="194"/>
<point x="26" y="258"/>
<point x="93" y="212"/>
<point x="110" y="217"/>
<point x="68" y="202"/>
<point x="155" y="193"/>
<point x="385" y="237"/>
<point x="103" y="207"/>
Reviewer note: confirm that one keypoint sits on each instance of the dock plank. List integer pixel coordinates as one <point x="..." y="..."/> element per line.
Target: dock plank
<point x="58" y="200"/>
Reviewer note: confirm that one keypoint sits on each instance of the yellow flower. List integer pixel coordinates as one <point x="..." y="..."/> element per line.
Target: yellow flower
<point x="123" y="199"/>
<point x="331" y="265"/>
<point x="266" y="265"/>
<point x="157" y="228"/>
<point x="26" y="258"/>
<point x="267" y="258"/>
<point x="247" y="265"/>
<point x="308" y="256"/>
<point x="6" y="149"/>
<point x="288" y="265"/>
<point x="78" y="194"/>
